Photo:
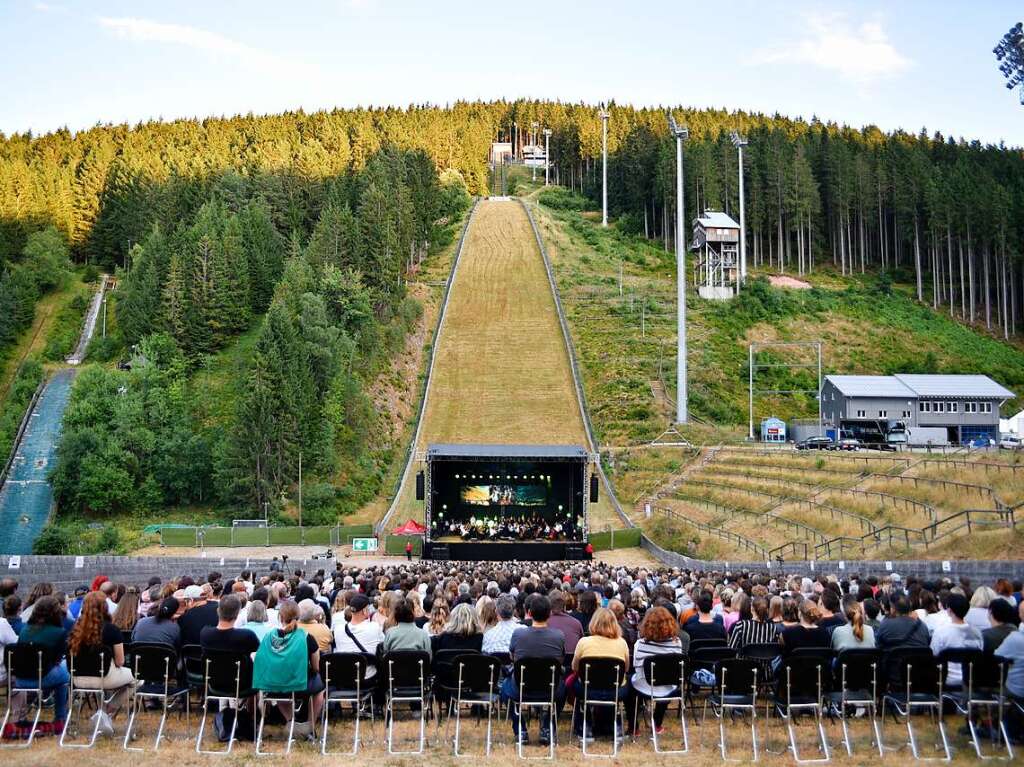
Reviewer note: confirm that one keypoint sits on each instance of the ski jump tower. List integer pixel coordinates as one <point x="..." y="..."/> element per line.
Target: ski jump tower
<point x="716" y="241"/>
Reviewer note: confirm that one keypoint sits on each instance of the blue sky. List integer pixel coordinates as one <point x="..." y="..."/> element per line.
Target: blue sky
<point x="908" y="64"/>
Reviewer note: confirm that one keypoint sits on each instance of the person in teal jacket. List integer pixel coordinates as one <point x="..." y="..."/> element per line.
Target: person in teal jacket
<point x="287" y="661"/>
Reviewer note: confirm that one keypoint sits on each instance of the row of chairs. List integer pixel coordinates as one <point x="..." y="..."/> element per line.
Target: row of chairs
<point x="811" y="682"/>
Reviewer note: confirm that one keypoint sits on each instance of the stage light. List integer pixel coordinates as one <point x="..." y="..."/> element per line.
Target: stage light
<point x="444" y="506"/>
<point x="559" y="507"/>
<point x="456" y="476"/>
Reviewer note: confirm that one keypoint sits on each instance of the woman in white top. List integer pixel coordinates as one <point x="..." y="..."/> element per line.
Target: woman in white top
<point x="854" y="634"/>
<point x="977" y="616"/>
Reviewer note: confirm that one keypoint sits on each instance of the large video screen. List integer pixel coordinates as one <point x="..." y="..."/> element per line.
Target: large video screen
<point x="504" y="495"/>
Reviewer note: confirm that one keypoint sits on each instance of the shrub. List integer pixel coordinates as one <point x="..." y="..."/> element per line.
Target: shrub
<point x="563" y="199"/>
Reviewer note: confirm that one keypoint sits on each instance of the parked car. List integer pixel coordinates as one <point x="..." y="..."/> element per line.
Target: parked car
<point x="1011" y="442"/>
<point x="815" y="443"/>
<point x="849" y="443"/>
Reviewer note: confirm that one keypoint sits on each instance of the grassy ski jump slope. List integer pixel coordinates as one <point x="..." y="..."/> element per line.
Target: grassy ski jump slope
<point x="501" y="371"/>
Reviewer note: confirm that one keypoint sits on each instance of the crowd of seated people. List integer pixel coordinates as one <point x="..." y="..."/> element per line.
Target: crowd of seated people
<point x="569" y="612"/>
<point x="510" y="527"/>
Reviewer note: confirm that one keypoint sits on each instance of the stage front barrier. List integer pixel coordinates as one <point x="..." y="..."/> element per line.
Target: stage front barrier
<point x="323" y="535"/>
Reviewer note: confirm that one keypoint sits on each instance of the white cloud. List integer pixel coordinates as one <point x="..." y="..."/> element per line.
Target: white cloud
<point x="42" y="7"/>
<point x="862" y="54"/>
<point x="149" y="31"/>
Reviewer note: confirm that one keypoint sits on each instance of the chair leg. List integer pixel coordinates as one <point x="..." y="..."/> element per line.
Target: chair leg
<point x="259" y="731"/>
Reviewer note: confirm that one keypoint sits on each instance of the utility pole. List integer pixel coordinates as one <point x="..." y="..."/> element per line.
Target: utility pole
<point x="740" y="142"/>
<point x="750" y="365"/>
<point x="681" y="134"/>
<point x="547" y="153"/>
<point x="604" y="165"/>
<point x="533" y="141"/>
<point x="515" y="140"/>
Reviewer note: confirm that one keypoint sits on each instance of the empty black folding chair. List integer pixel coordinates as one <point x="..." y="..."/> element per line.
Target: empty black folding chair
<point x="156" y="678"/>
<point x="345" y="675"/>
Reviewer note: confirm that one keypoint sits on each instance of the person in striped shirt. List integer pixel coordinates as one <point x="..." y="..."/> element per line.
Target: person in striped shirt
<point x="755" y="630"/>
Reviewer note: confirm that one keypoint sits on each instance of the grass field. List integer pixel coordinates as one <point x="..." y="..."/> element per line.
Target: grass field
<point x="179" y="746"/>
<point x="501" y="370"/>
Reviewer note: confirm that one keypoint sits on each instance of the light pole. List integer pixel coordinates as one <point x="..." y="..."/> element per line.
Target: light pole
<point x="515" y="140"/>
<point x="681" y="134"/>
<point x="739" y="142"/>
<point x="604" y="166"/>
<point x="1010" y="55"/>
<point x="547" y="153"/>
<point x="533" y="141"/>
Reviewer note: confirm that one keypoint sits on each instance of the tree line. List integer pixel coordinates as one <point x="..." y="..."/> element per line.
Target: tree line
<point x="944" y="215"/>
<point x="329" y="310"/>
<point x="948" y="215"/>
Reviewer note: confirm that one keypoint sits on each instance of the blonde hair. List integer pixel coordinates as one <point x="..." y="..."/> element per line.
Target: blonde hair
<point x="487" y="612"/>
<point x="438" y="617"/>
<point x="462" y="621"/>
<point x="603" y="623"/>
<point x="983" y="596"/>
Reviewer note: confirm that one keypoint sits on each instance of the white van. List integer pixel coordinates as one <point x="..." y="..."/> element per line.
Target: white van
<point x="1011" y="442"/>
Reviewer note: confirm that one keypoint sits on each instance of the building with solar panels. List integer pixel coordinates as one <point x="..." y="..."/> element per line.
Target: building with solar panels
<point x="964" y="407"/>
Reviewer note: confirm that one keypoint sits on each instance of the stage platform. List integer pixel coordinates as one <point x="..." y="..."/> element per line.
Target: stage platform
<point x="495" y="551"/>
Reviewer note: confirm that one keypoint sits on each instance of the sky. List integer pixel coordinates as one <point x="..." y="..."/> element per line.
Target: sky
<point x="904" y="65"/>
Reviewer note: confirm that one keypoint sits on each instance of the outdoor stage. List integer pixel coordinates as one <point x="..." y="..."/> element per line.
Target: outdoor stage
<point x="506" y="502"/>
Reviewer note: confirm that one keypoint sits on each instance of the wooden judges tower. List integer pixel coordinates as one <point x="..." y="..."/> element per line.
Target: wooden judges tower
<point x="716" y="241"/>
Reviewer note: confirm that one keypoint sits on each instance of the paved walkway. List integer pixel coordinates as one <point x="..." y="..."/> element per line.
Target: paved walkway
<point x="26" y="497"/>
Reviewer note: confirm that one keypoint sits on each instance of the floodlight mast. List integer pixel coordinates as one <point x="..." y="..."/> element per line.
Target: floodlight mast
<point x="534" y="124"/>
<point x="681" y="134"/>
<point x="603" y="114"/>
<point x="547" y="153"/>
<point x="1010" y="55"/>
<point x="739" y="142"/>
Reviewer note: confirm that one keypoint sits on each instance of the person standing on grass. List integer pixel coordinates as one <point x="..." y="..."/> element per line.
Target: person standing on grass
<point x="408" y="550"/>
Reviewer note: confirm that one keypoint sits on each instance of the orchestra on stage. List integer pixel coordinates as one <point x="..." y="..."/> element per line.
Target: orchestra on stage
<point x="510" y="527"/>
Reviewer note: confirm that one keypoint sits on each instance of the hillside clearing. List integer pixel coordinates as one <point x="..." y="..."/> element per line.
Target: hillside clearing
<point x="501" y="370"/>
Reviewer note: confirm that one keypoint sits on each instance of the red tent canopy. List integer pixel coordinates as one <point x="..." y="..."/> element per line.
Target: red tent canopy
<point x="412" y="527"/>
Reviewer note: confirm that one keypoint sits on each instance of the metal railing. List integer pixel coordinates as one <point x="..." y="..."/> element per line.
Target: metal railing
<point x="411" y="453"/>
<point x="741" y="541"/>
<point x="577" y="378"/>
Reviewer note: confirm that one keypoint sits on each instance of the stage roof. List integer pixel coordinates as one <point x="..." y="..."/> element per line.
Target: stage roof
<point x="506" y="451"/>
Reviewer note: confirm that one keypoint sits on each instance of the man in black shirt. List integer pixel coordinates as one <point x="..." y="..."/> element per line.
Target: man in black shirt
<point x="831" y="615"/>
<point x="703" y="625"/>
<point x="900" y="629"/>
<point x="224" y="635"/>
<point x="199" y="614"/>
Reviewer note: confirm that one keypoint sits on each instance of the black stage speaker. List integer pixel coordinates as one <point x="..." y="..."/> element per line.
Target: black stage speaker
<point x="593" y="488"/>
<point x="420" y="487"/>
